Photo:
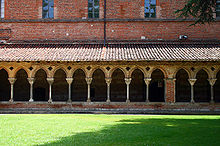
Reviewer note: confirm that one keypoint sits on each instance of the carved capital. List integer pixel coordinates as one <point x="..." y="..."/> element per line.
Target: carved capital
<point x="88" y="81"/>
<point x="69" y="80"/>
<point x="50" y="80"/>
<point x="108" y="81"/>
<point x="31" y="80"/>
<point x="212" y="81"/>
<point x="12" y="80"/>
<point x="147" y="81"/>
<point x="192" y="81"/>
<point x="127" y="81"/>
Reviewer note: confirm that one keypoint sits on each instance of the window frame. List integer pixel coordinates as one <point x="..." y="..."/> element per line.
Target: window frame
<point x="48" y="16"/>
<point x="2" y="11"/>
<point x="217" y="8"/>
<point x="93" y="9"/>
<point x="149" y="2"/>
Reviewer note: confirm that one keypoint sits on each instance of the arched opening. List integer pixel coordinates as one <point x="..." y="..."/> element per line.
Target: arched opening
<point x="156" y="90"/>
<point x="41" y="86"/>
<point x="21" y="87"/>
<point x="217" y="88"/>
<point x="60" y="86"/>
<point x="202" y="87"/>
<point x="183" y="90"/>
<point x="137" y="87"/>
<point x="98" y="86"/>
<point x="79" y="86"/>
<point x="4" y="86"/>
<point x="118" y="86"/>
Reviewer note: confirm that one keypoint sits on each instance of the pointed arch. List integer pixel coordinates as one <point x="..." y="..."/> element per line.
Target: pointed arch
<point x="60" y="86"/>
<point x="97" y="68"/>
<point x="183" y="69"/>
<point x="98" y="86"/>
<point x="37" y="69"/>
<point x="182" y="87"/>
<point x="217" y="88"/>
<point x="137" y="68"/>
<point x="59" y="68"/>
<point x="118" y="86"/>
<point x="157" y="86"/>
<point x="202" y="87"/>
<point x="4" y="85"/>
<point x="161" y="69"/>
<point x="41" y="86"/>
<point x="205" y="70"/>
<point x="79" y="86"/>
<point x="21" y="68"/>
<point x="78" y="69"/>
<point x="21" y="86"/>
<point x="117" y="68"/>
<point x="137" y="86"/>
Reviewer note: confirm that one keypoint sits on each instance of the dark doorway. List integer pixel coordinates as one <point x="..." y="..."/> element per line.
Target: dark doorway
<point x="202" y="87"/>
<point x="4" y="86"/>
<point x="137" y="87"/>
<point x="21" y="87"/>
<point x="156" y="90"/>
<point x="41" y="86"/>
<point x="79" y="86"/>
<point x="217" y="88"/>
<point x="60" y="86"/>
<point x="98" y="87"/>
<point x="183" y="90"/>
<point x="118" y="86"/>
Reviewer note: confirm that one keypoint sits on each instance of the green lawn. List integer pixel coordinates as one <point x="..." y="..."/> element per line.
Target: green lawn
<point x="112" y="130"/>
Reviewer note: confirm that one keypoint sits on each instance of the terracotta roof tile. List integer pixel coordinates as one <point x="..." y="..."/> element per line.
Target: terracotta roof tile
<point x="113" y="52"/>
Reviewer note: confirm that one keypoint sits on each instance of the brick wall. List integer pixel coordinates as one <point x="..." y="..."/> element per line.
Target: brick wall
<point x="70" y="21"/>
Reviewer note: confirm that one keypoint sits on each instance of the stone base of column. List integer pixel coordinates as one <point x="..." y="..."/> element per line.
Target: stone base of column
<point x="50" y="101"/>
<point x="192" y="101"/>
<point x="11" y="100"/>
<point x="88" y="100"/>
<point x="147" y="100"/>
<point x="127" y="101"/>
<point x="31" y="100"/>
<point x="108" y="100"/>
<point x="212" y="101"/>
<point x="69" y="100"/>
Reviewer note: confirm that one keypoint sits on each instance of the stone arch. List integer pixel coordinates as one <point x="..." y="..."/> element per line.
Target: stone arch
<point x="118" y="86"/>
<point x="98" y="86"/>
<point x="4" y="85"/>
<point x="182" y="86"/>
<point x="21" y="86"/>
<point x="202" y="87"/>
<point x="40" y="68"/>
<point x="20" y="68"/>
<point x="96" y="68"/>
<point x="60" y="86"/>
<point x="217" y="88"/>
<point x="204" y="69"/>
<point x="182" y="68"/>
<point x="6" y="69"/>
<point x="79" y="68"/>
<point x="157" y="86"/>
<point x="137" y="68"/>
<point x="79" y="86"/>
<point x="40" y="86"/>
<point x="115" y="68"/>
<point x="161" y="69"/>
<point x="59" y="68"/>
<point x="137" y="86"/>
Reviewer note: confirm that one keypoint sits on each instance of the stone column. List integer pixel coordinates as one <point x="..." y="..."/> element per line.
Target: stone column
<point x="50" y="81"/>
<point x="12" y="81"/>
<point x="212" y="83"/>
<point x="128" y="81"/>
<point x="69" y="81"/>
<point x="89" y="81"/>
<point x="31" y="82"/>
<point x="147" y="82"/>
<point x="108" y="82"/>
<point x="169" y="90"/>
<point x="192" y="82"/>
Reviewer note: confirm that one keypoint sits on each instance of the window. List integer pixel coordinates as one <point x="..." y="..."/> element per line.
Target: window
<point x="218" y="8"/>
<point x="2" y="6"/>
<point x="93" y="8"/>
<point x="48" y="9"/>
<point x="150" y="8"/>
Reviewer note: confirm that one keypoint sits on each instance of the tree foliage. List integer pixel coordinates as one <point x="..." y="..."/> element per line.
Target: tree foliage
<point x="202" y="10"/>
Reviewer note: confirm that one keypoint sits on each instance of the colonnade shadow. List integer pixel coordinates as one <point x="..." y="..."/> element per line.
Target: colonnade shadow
<point x="155" y="131"/>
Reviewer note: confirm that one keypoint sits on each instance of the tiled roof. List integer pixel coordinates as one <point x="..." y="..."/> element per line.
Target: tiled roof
<point x="113" y="52"/>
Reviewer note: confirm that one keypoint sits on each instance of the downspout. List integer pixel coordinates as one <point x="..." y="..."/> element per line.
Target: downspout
<point x="104" y="23"/>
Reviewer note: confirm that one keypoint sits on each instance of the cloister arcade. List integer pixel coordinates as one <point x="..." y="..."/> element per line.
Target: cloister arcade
<point x="109" y="83"/>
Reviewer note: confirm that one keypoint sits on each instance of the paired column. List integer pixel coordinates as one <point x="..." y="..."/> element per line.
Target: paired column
<point x="212" y="83"/>
<point x="128" y="81"/>
<point x="147" y="82"/>
<point x="88" y="81"/>
<point x="192" y="82"/>
<point x="108" y="82"/>
<point x="50" y="81"/>
<point x="12" y="81"/>
<point x="69" y="81"/>
<point x="31" y="82"/>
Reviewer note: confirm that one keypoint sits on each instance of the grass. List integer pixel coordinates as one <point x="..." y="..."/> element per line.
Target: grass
<point x="104" y="130"/>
